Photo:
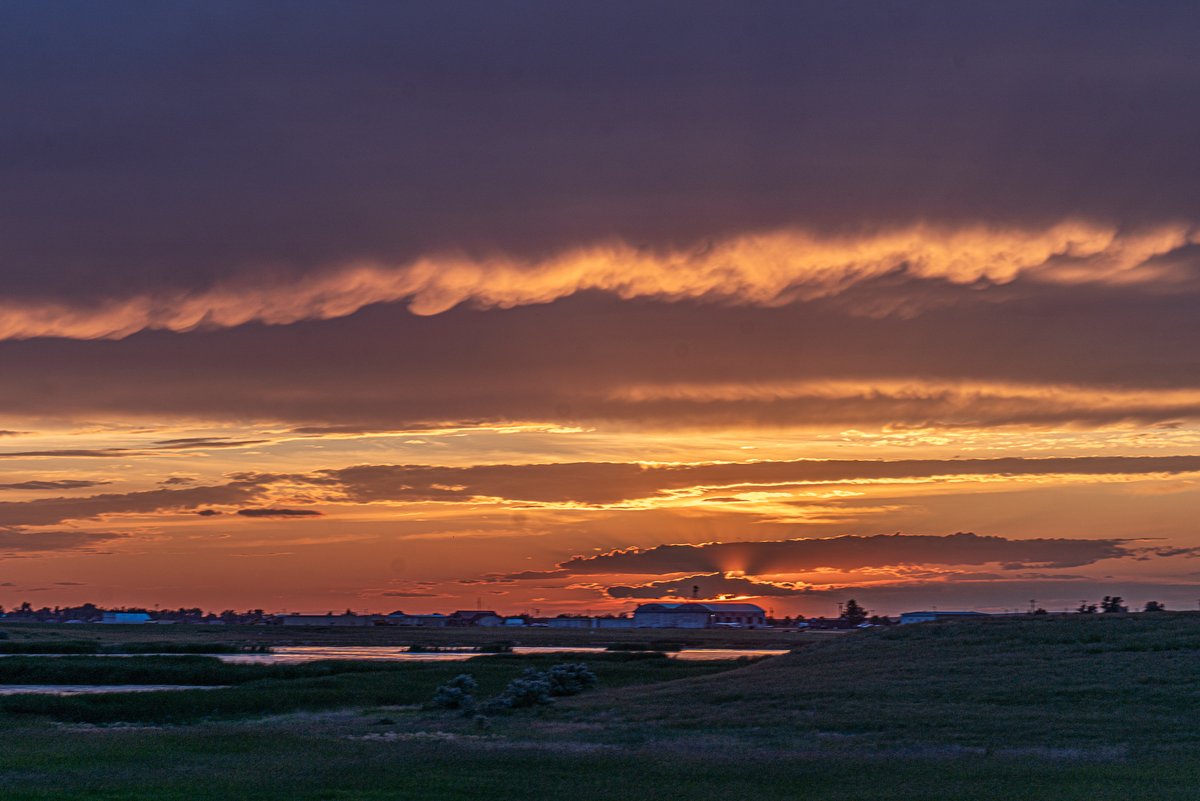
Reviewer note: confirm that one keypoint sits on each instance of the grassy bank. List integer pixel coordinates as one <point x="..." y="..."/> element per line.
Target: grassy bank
<point x="1091" y="681"/>
<point x="277" y="689"/>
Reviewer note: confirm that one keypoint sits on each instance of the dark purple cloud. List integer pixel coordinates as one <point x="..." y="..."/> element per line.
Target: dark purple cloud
<point x="202" y="142"/>
<point x="60" y="484"/>
<point x="279" y="513"/>
<point x="14" y="540"/>
<point x="571" y="361"/>
<point x="48" y="511"/>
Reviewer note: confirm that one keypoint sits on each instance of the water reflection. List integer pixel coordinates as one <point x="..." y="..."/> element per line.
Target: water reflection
<point x="295" y="654"/>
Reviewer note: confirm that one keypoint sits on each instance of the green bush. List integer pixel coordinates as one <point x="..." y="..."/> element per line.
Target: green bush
<point x="458" y="693"/>
<point x="570" y="678"/>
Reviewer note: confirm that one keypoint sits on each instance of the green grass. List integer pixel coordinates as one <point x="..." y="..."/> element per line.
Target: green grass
<point x="219" y="764"/>
<point x="1096" y="681"/>
<point x="1073" y="709"/>
<point x="275" y="689"/>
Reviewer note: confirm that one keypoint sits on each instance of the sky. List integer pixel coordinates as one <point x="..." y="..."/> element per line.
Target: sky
<point x="558" y="307"/>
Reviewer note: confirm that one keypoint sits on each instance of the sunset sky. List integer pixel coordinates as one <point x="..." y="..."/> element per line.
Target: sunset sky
<point x="566" y="306"/>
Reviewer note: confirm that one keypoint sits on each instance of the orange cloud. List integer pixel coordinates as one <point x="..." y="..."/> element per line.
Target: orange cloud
<point x="763" y="269"/>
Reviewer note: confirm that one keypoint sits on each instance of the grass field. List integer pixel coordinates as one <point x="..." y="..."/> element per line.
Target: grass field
<point x="1086" y="707"/>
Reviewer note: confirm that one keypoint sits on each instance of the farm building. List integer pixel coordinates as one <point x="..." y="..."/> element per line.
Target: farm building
<point x="473" y="617"/>
<point x="436" y="620"/>
<point x="327" y="620"/>
<point x="698" y="616"/>
<point x="576" y="622"/>
<point x="928" y="617"/>
<point x="125" y="618"/>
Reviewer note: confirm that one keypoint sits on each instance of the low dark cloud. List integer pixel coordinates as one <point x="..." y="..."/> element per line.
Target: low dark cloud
<point x="849" y="552"/>
<point x="15" y="540"/>
<point x="196" y="443"/>
<point x="279" y="513"/>
<point x="204" y="443"/>
<point x="63" y="484"/>
<point x="70" y="453"/>
<point x="975" y="358"/>
<point x="707" y="586"/>
<point x="48" y="511"/>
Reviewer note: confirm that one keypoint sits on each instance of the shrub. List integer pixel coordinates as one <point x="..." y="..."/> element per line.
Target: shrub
<point x="528" y="690"/>
<point x="570" y="678"/>
<point x="536" y="688"/>
<point x="458" y="693"/>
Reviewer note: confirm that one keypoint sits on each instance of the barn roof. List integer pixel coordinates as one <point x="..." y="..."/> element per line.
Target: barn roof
<point x="720" y="608"/>
<point x="744" y="608"/>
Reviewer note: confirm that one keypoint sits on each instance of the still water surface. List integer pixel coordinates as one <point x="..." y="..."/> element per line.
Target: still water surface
<point x="311" y="653"/>
<point x="81" y="689"/>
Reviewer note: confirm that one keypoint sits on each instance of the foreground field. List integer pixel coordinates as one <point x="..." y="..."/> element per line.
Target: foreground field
<point x="1092" y="708"/>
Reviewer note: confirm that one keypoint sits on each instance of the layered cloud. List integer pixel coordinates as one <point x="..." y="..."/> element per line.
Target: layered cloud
<point x="1093" y="357"/>
<point x="609" y="483"/>
<point x="181" y="164"/>
<point x="756" y="269"/>
<point x="236" y="240"/>
<point x="582" y="484"/>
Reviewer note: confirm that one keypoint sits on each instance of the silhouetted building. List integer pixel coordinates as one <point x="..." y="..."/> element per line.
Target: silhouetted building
<point x="327" y="620"/>
<point x="699" y="616"/>
<point x="474" y="617"/>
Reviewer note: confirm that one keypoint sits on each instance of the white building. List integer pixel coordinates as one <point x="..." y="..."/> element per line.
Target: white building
<point x="126" y="618"/>
<point x="929" y="617"/>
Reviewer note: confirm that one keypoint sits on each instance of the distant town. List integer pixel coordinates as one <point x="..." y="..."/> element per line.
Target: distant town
<point x="681" y="615"/>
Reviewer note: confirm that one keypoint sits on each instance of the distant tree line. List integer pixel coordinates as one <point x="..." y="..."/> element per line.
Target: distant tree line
<point x="1114" y="604"/>
<point x="91" y="613"/>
